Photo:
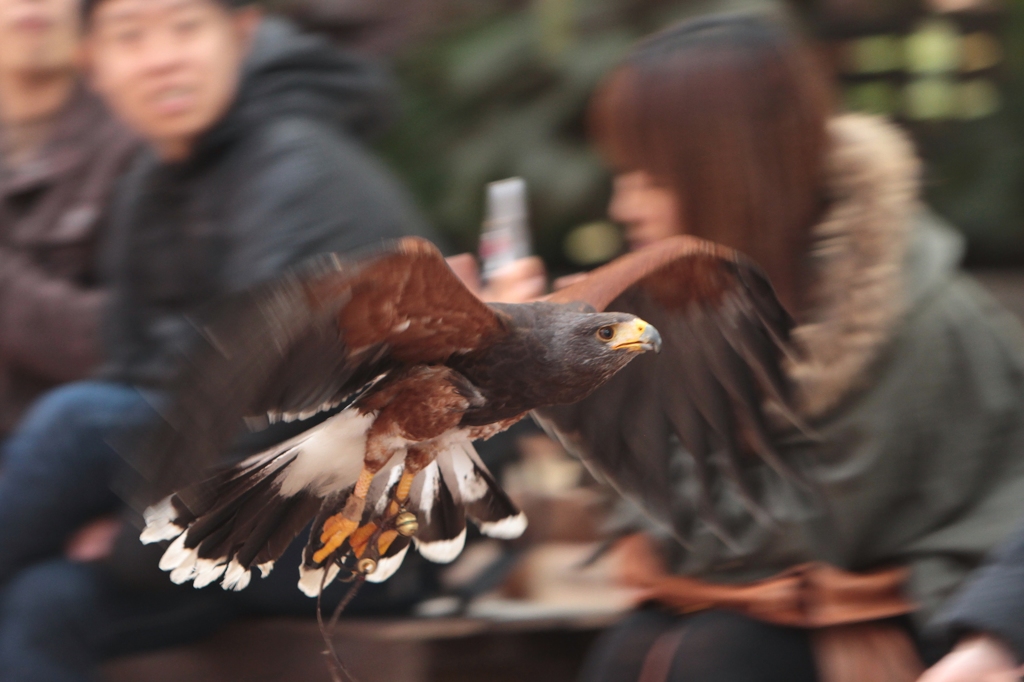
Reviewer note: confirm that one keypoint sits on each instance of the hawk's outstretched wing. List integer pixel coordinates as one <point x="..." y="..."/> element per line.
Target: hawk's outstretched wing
<point x="308" y="342"/>
<point x="724" y="337"/>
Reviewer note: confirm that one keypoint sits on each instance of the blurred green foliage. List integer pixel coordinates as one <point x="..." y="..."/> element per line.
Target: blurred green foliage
<point x="501" y="90"/>
<point x="975" y="169"/>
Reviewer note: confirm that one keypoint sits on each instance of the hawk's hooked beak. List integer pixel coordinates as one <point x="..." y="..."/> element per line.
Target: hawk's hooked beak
<point x="637" y="336"/>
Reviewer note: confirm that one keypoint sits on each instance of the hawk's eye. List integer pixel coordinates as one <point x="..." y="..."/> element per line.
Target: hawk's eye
<point x="605" y="333"/>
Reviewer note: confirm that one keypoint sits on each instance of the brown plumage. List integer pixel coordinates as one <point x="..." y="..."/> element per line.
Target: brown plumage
<point x="417" y="368"/>
<point x="725" y="335"/>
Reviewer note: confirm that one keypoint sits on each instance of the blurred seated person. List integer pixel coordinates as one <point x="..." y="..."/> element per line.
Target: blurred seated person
<point x="984" y="620"/>
<point x="254" y="164"/>
<point x="60" y="154"/>
<point x="910" y="378"/>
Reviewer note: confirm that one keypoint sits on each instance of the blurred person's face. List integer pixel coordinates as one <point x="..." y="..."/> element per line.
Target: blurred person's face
<point x="38" y="36"/>
<point x="649" y="211"/>
<point x="168" y="68"/>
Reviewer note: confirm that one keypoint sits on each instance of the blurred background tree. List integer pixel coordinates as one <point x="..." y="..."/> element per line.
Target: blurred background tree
<point x="501" y="89"/>
<point x="496" y="88"/>
<point x="952" y="72"/>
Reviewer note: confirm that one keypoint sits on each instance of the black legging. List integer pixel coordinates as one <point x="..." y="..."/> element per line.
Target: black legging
<point x="716" y="646"/>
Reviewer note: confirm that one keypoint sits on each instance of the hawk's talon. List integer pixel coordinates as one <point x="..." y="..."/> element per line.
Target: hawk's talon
<point x="397" y="523"/>
<point x="337" y="524"/>
<point x="340" y="527"/>
<point x="360" y="539"/>
<point x="385" y="540"/>
<point x="340" y="530"/>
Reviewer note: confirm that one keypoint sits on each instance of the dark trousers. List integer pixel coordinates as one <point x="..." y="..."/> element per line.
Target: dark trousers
<point x="56" y="468"/>
<point x="58" y="618"/>
<point x="715" y="646"/>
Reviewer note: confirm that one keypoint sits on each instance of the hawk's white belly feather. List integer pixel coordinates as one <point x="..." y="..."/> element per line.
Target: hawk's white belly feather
<point x="329" y="456"/>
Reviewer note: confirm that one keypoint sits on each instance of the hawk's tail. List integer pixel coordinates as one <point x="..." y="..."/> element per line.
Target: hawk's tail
<point x="241" y="519"/>
<point x="223" y="527"/>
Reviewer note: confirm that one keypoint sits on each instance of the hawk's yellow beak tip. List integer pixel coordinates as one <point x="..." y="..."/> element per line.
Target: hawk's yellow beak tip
<point x="638" y="336"/>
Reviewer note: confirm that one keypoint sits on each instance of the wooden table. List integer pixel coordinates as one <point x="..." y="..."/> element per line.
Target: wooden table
<point x="521" y="647"/>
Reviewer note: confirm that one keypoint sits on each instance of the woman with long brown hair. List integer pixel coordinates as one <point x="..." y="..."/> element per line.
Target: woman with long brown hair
<point x="911" y="380"/>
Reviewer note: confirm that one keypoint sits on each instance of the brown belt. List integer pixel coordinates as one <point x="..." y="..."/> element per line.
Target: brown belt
<point x="842" y="609"/>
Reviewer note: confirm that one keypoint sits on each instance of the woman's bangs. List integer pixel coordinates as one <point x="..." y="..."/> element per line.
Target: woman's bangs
<point x="616" y="122"/>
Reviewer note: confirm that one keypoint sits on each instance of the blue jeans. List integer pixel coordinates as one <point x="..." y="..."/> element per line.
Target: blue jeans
<point x="58" y="618"/>
<point x="57" y="467"/>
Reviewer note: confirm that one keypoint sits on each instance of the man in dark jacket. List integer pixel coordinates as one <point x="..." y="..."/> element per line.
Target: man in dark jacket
<point x="60" y="153"/>
<point x="254" y="166"/>
<point x="280" y="177"/>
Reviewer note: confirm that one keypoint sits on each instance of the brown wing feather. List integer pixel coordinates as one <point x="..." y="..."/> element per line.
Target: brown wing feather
<point x="724" y="337"/>
<point x="688" y="269"/>
<point x="413" y="302"/>
<point x="308" y="341"/>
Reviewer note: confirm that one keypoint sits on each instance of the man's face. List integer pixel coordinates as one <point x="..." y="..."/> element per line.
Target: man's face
<point x="169" y="68"/>
<point x="38" y="36"/>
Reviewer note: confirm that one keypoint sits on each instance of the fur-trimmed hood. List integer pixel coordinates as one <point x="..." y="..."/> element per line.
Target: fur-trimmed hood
<point x="858" y="293"/>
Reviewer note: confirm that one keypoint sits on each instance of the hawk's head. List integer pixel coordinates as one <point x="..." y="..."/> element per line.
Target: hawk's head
<point x="574" y="351"/>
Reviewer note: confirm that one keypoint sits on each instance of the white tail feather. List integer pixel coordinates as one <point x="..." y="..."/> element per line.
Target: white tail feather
<point x="160" y="523"/>
<point x="387" y="566"/>
<point x="472" y="486"/>
<point x="508" y="528"/>
<point x="442" y="551"/>
<point x="311" y="579"/>
<point x="174" y="555"/>
<point x="208" y="571"/>
<point x="236" y="577"/>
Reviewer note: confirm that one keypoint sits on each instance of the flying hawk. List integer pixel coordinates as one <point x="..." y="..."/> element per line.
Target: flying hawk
<point x="414" y="368"/>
